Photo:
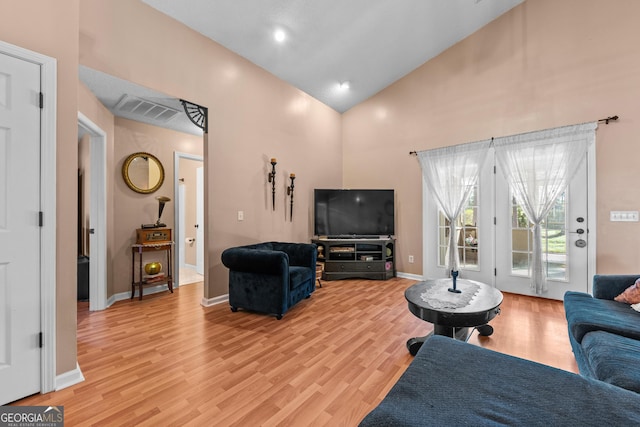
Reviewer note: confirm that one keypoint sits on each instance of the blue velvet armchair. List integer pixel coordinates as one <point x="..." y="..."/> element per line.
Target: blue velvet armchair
<point x="270" y="277"/>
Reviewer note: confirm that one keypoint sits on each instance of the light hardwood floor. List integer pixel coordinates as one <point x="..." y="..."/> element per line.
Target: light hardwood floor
<point x="166" y="360"/>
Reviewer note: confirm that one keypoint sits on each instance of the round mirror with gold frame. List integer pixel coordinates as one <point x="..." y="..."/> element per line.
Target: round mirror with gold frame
<point x="143" y="172"/>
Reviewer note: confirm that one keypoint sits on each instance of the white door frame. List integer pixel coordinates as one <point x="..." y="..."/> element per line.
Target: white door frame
<point x="428" y="232"/>
<point x="176" y="211"/>
<point x="180" y="224"/>
<point x="97" y="214"/>
<point x="48" y="84"/>
<point x="591" y="215"/>
<point x="200" y="219"/>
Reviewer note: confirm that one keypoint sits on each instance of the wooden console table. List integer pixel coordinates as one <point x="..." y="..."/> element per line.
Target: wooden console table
<point x="139" y="249"/>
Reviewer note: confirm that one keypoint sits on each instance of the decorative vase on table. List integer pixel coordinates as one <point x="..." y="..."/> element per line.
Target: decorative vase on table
<point x="153" y="268"/>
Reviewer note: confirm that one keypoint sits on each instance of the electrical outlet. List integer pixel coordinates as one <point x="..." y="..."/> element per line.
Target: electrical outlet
<point x="410" y="259"/>
<point x="240" y="215"/>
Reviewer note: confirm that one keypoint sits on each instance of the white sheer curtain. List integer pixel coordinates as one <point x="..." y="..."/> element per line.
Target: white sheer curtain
<point x="538" y="167"/>
<point x="450" y="174"/>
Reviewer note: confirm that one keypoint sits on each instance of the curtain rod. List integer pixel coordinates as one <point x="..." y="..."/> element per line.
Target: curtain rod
<point x="605" y="120"/>
<point x="608" y="119"/>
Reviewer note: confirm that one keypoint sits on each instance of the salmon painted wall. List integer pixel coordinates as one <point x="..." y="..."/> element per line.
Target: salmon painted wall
<point x="543" y="64"/>
<point x="253" y="117"/>
<point x="51" y="28"/>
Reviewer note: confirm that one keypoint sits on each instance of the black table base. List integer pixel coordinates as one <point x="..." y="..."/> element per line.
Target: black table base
<point x="460" y="334"/>
<point x="456" y="323"/>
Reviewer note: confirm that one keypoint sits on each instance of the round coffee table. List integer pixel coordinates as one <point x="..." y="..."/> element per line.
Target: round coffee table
<point x="452" y="314"/>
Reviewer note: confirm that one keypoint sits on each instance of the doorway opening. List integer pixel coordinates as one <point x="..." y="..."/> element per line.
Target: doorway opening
<point x="97" y="229"/>
<point x="189" y="218"/>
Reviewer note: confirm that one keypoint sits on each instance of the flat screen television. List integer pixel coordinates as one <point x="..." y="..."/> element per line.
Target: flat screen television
<point x="354" y="213"/>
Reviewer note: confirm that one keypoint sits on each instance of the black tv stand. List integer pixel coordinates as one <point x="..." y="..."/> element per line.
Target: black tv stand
<point x="367" y="257"/>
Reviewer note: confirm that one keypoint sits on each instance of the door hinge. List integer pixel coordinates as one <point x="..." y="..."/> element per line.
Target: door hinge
<point x="495" y="221"/>
<point x="495" y="271"/>
<point x="494" y="169"/>
<point x="40" y="339"/>
<point x="41" y="219"/>
<point x="41" y="100"/>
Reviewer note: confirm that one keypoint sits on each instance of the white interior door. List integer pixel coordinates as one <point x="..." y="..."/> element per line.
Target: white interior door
<point x="20" y="367"/>
<point x="565" y="241"/>
<point x="200" y="220"/>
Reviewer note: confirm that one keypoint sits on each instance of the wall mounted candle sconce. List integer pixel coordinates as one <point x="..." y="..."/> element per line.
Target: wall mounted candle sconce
<point x="290" y="193"/>
<point x="271" y="177"/>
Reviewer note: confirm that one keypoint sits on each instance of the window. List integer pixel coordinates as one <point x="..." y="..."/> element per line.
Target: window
<point x="554" y="241"/>
<point x="467" y="229"/>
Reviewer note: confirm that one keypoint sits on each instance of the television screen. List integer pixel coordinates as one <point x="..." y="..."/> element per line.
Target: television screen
<point x="340" y="213"/>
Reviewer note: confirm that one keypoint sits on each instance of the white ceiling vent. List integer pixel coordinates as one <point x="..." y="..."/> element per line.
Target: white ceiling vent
<point x="144" y="110"/>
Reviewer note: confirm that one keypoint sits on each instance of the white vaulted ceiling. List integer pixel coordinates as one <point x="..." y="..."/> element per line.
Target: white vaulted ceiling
<point x="368" y="43"/>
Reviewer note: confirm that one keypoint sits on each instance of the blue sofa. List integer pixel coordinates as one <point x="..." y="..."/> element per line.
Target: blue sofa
<point x="605" y="334"/>
<point x="453" y="383"/>
<point x="270" y="277"/>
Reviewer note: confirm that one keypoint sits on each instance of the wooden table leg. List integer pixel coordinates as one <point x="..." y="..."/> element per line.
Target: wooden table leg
<point x="170" y="281"/>
<point x="140" y="271"/>
<point x="133" y="272"/>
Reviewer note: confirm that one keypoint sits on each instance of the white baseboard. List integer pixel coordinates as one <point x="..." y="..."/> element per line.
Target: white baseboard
<point x="147" y="290"/>
<point x="208" y="302"/>
<point x="409" y="276"/>
<point x="69" y="378"/>
<point x="112" y="299"/>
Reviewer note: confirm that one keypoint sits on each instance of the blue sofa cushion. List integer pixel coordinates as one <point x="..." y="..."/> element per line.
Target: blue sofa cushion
<point x="586" y="314"/>
<point x="452" y="383"/>
<point x="613" y="359"/>
<point x="299" y="275"/>
<point x="608" y="286"/>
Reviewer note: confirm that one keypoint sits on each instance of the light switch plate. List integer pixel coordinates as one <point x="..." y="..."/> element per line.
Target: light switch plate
<point x="624" y="216"/>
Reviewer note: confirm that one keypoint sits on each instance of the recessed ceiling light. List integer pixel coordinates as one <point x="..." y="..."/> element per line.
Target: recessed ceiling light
<point x="344" y="85"/>
<point x="279" y="35"/>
